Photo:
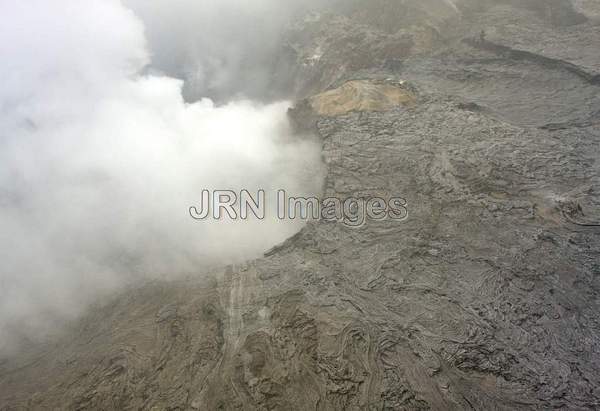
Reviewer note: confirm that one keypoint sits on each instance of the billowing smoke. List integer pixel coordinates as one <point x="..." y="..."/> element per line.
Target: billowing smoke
<point x="100" y="162"/>
<point x="222" y="47"/>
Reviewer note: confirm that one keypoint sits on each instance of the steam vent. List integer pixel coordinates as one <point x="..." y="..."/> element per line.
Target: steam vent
<point x="480" y="117"/>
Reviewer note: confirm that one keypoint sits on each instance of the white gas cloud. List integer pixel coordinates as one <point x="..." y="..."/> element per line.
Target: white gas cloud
<point x="100" y="162"/>
<point x="222" y="47"/>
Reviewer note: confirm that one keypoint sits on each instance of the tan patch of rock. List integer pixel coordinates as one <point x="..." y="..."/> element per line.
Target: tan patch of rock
<point x="362" y="95"/>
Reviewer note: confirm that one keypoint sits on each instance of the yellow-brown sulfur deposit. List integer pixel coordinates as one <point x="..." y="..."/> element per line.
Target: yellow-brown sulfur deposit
<point x="362" y="95"/>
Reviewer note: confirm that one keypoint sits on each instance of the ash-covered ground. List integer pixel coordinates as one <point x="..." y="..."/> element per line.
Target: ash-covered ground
<point x="486" y="297"/>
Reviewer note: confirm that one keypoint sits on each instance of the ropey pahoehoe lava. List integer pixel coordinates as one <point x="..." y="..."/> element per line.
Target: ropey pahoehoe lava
<point x="481" y="115"/>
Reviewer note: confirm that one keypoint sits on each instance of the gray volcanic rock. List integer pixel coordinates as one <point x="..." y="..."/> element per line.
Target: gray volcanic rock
<point x="589" y="8"/>
<point x="485" y="297"/>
